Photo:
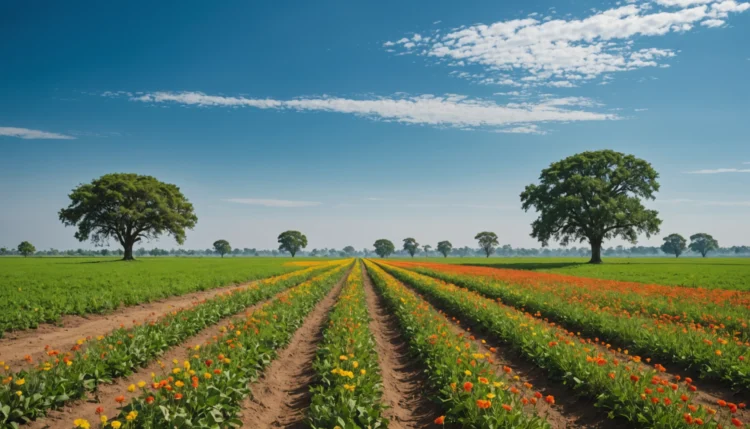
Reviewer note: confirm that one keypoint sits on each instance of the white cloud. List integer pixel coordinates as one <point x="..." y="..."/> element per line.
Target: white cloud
<point x="450" y="110"/>
<point x="641" y="109"/>
<point x="28" y="134"/>
<point x="522" y="129"/>
<point x="273" y="203"/>
<point x="721" y="170"/>
<point x="565" y="52"/>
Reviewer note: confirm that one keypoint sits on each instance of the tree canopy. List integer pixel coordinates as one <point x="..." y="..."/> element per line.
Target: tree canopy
<point x="487" y="241"/>
<point x="384" y="247"/>
<point x="411" y="246"/>
<point x="703" y="243"/>
<point x="222" y="247"/>
<point x="129" y="208"/>
<point x="593" y="196"/>
<point x="445" y="248"/>
<point x="349" y="250"/>
<point x="26" y="248"/>
<point x="292" y="242"/>
<point x="674" y="244"/>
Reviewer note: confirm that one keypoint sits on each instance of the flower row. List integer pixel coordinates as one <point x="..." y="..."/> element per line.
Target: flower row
<point x="462" y="379"/>
<point x="28" y="394"/>
<point x="644" y="395"/>
<point x="348" y="389"/>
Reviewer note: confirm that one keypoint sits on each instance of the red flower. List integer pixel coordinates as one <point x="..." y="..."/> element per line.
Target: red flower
<point x="507" y="407"/>
<point x="736" y="422"/>
<point x="150" y="400"/>
<point x="468" y="386"/>
<point x="549" y="399"/>
<point x="440" y="420"/>
<point x="634" y="378"/>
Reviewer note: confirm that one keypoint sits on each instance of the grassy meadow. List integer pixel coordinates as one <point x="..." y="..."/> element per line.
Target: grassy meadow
<point x="712" y="273"/>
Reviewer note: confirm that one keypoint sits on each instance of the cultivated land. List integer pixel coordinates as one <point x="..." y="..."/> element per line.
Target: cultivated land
<point x="37" y="290"/>
<point x="403" y="344"/>
<point x="711" y="273"/>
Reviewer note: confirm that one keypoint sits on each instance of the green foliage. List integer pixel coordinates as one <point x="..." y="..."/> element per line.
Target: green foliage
<point x="384" y="247"/>
<point x="703" y="243"/>
<point x="445" y="248"/>
<point x="593" y="196"/>
<point x="26" y="248"/>
<point x="292" y="242"/>
<point x="222" y="247"/>
<point x="38" y="290"/>
<point x="411" y="246"/>
<point x="674" y="244"/>
<point x="349" y="250"/>
<point x="128" y="208"/>
<point x="487" y="241"/>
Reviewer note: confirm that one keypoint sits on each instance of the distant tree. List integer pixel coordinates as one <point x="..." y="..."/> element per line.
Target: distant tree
<point x="487" y="241"/>
<point x="104" y="252"/>
<point x="26" y="248"/>
<point x="384" y="247"/>
<point x="411" y="246"/>
<point x="128" y="208"/>
<point x="674" y="244"/>
<point x="366" y="251"/>
<point x="222" y="247"/>
<point x="426" y="249"/>
<point x="3" y="250"/>
<point x="292" y="242"/>
<point x="445" y="248"/>
<point x="119" y="252"/>
<point x="154" y="252"/>
<point x="349" y="250"/>
<point x="703" y="243"/>
<point x="236" y="251"/>
<point x="275" y="253"/>
<point x="593" y="196"/>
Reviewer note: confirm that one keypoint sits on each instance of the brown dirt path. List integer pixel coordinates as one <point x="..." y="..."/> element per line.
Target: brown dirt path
<point x="281" y="397"/>
<point x="404" y="383"/>
<point x="18" y="344"/>
<point x="63" y="418"/>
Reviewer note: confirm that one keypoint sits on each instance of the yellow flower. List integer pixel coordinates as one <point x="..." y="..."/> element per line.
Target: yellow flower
<point x="343" y="357"/>
<point x="362" y="372"/>
<point x="490" y="395"/>
<point x="349" y="387"/>
<point x="141" y="384"/>
<point x="20" y="382"/>
<point x="103" y="419"/>
<point x="115" y="424"/>
<point x="207" y="376"/>
<point x="467" y="372"/>
<point x="176" y="371"/>
<point x="179" y="383"/>
<point x="355" y="364"/>
<point x="131" y="416"/>
<point x="186" y="365"/>
<point x="131" y="388"/>
<point x="19" y="393"/>
<point x="81" y="423"/>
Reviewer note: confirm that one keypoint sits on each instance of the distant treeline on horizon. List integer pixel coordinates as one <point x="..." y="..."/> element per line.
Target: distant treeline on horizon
<point x="505" y="251"/>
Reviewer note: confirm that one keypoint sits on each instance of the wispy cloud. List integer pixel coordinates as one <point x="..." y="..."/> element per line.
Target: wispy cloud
<point x="549" y="51"/>
<point x="720" y="171"/>
<point x="706" y="202"/>
<point x="373" y="199"/>
<point x="274" y="203"/>
<point x="25" y="133"/>
<point x="449" y="110"/>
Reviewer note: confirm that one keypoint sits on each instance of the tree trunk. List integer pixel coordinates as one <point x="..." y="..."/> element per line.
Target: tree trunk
<point x="128" y="252"/>
<point x="596" y="252"/>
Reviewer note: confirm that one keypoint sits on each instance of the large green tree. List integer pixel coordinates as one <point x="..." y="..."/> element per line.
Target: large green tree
<point x="26" y="248"/>
<point x="222" y="247"/>
<point x="349" y="250"/>
<point x="292" y="242"/>
<point x="703" y="243"/>
<point x="128" y="208"/>
<point x="445" y="248"/>
<point x="384" y="247"/>
<point x="674" y="244"/>
<point x="411" y="246"/>
<point x="487" y="241"/>
<point x="593" y="196"/>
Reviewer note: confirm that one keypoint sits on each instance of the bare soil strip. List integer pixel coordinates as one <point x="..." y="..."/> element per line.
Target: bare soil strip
<point x="63" y="418"/>
<point x="282" y="395"/>
<point x="581" y="411"/>
<point x="404" y="383"/>
<point x="18" y="344"/>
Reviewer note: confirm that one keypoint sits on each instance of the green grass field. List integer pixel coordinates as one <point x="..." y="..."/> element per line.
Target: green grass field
<point x="713" y="273"/>
<point x="34" y="290"/>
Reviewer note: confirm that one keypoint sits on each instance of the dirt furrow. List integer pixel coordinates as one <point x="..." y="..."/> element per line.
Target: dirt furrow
<point x="17" y="345"/>
<point x="404" y="383"/>
<point x="281" y="397"/>
<point x="105" y="397"/>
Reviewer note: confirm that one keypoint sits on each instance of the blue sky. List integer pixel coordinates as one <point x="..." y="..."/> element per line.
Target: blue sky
<point x="352" y="122"/>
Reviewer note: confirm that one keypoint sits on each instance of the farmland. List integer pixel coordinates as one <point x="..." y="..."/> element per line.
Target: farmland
<point x="40" y="290"/>
<point x="388" y="343"/>
<point x="711" y="273"/>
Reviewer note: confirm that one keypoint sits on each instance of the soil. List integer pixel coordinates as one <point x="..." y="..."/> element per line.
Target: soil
<point x="281" y="397"/>
<point x="404" y="383"/>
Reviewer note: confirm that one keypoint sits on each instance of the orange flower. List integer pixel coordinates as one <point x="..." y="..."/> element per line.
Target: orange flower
<point x="468" y="386"/>
<point x="634" y="378"/>
<point x="150" y="400"/>
<point x="99" y="410"/>
<point x="549" y="399"/>
<point x="440" y="420"/>
<point x="120" y="399"/>
<point x="736" y="422"/>
<point x="177" y="396"/>
<point x="507" y="407"/>
<point x="483" y="380"/>
<point x="483" y="404"/>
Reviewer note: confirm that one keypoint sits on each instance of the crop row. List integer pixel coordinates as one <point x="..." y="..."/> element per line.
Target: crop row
<point x="715" y="353"/>
<point x="207" y="389"/>
<point x="27" y="394"/>
<point x="38" y="290"/>
<point x="643" y="395"/>
<point x="348" y="388"/>
<point x="727" y="310"/>
<point x="472" y="394"/>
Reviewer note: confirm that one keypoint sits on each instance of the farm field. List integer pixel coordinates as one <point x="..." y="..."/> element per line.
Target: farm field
<point x="711" y="273"/>
<point x="385" y="343"/>
<point x="36" y="290"/>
